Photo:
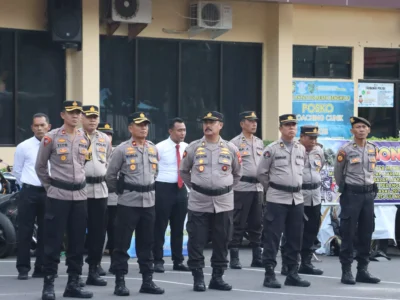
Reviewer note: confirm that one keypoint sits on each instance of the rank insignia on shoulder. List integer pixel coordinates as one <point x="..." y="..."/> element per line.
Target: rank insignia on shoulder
<point x="184" y="154"/>
<point x="239" y="157"/>
<point x="267" y="154"/>
<point x="282" y="145"/>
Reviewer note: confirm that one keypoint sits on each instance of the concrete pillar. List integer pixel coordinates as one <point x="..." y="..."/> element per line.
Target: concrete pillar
<point x="83" y="67"/>
<point x="279" y="64"/>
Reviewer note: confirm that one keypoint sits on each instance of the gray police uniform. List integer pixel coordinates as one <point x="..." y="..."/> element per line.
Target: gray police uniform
<point x="280" y="172"/>
<point x="97" y="195"/>
<point x="66" y="193"/>
<point x="210" y="171"/>
<point x="131" y="173"/>
<point x="354" y="173"/>
<point x="314" y="162"/>
<point x="248" y="193"/>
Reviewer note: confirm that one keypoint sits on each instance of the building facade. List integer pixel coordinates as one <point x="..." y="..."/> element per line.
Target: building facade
<point x="167" y="73"/>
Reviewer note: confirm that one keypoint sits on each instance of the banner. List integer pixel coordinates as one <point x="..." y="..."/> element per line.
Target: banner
<point x="167" y="243"/>
<point x="326" y="104"/>
<point x="372" y="94"/>
<point x="387" y="172"/>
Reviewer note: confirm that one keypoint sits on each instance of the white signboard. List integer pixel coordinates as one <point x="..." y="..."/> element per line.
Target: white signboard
<point x="372" y="94"/>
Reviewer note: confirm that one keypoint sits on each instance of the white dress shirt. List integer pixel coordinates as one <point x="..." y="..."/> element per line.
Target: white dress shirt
<point x="167" y="166"/>
<point x="25" y="160"/>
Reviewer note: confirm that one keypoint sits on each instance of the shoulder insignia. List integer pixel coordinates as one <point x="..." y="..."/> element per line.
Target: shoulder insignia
<point x="267" y="154"/>
<point x="46" y="140"/>
<point x="239" y="157"/>
<point x="184" y="154"/>
<point x="281" y="144"/>
<point x="341" y="156"/>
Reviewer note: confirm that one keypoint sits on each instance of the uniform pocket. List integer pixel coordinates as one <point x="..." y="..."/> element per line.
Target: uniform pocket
<point x="281" y="166"/>
<point x="153" y="163"/>
<point x="132" y="162"/>
<point x="371" y="164"/>
<point x="63" y="154"/>
<point x="224" y="165"/>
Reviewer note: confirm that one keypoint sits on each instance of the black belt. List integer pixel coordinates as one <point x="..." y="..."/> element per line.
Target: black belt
<point x="209" y="192"/>
<point x="33" y="187"/>
<point x="310" y="186"/>
<point x="359" y="189"/>
<point x="139" y="188"/>
<point x="67" y="185"/>
<point x="285" y="188"/>
<point x="249" y="179"/>
<point x="93" y="180"/>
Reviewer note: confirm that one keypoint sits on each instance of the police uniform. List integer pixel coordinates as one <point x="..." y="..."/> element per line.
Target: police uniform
<point x="210" y="171"/>
<point x="280" y="172"/>
<point x="315" y="161"/>
<point x="66" y="203"/>
<point x="97" y="193"/>
<point x="248" y="197"/>
<point x="131" y="173"/>
<point x="354" y="174"/>
<point x="111" y="201"/>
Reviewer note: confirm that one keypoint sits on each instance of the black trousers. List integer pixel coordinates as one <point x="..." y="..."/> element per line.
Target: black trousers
<point x="141" y="221"/>
<point x="111" y="216"/>
<point x="247" y="216"/>
<point x="61" y="216"/>
<point x="198" y="226"/>
<point x="96" y="226"/>
<point x="31" y="207"/>
<point x="356" y="215"/>
<point x="278" y="219"/>
<point x="310" y="231"/>
<point x="171" y="206"/>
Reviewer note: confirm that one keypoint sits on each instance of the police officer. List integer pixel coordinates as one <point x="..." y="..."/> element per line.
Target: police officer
<point x="211" y="167"/>
<point x="131" y="173"/>
<point x="248" y="193"/>
<point x="97" y="192"/>
<point x="280" y="172"/>
<point x="310" y="189"/>
<point x="111" y="202"/>
<point x="354" y="173"/>
<point x="66" y="149"/>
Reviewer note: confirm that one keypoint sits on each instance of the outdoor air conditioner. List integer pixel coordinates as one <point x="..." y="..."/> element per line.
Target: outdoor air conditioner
<point x="131" y="11"/>
<point x="212" y="16"/>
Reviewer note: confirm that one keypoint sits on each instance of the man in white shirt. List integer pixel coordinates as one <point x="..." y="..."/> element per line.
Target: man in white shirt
<point x="32" y="198"/>
<point x="171" y="197"/>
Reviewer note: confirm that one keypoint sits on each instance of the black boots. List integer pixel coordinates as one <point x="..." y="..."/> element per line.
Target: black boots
<point x="94" y="277"/>
<point x="217" y="282"/>
<point x="74" y="290"/>
<point x="270" y="278"/>
<point x="306" y="267"/>
<point x="234" y="262"/>
<point x="198" y="278"/>
<point x="285" y="269"/>
<point x="257" y="260"/>
<point x="48" y="288"/>
<point x="364" y="276"/>
<point x="293" y="278"/>
<point x="120" y="288"/>
<point x="148" y="286"/>
<point x="347" y="275"/>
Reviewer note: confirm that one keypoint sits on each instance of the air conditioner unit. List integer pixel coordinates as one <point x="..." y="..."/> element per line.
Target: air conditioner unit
<point x="212" y="16"/>
<point x="131" y="11"/>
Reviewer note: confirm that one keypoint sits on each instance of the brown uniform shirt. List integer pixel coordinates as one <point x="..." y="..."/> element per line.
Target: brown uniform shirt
<point x="67" y="162"/>
<point x="284" y="167"/>
<point x="140" y="166"/>
<point x="355" y="165"/>
<point x="101" y="151"/>
<point x="315" y="161"/>
<point x="211" y="166"/>
<point x="251" y="153"/>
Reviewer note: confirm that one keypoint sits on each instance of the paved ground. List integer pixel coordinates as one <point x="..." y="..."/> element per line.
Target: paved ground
<point x="247" y="283"/>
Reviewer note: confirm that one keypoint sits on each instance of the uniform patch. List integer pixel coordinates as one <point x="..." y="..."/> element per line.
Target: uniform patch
<point x="201" y="168"/>
<point x="340" y="158"/>
<point x="46" y="140"/>
<point x="239" y="157"/>
<point x="259" y="152"/>
<point x="61" y="140"/>
<point x="371" y="150"/>
<point x="63" y="150"/>
<point x="267" y="154"/>
<point x="184" y="154"/>
<point x="245" y="153"/>
<point x="83" y="141"/>
<point x="133" y="167"/>
<point x="63" y="157"/>
<point x="132" y="161"/>
<point x="201" y="161"/>
<point x="355" y="160"/>
<point x="101" y="140"/>
<point x="151" y="150"/>
<point x="242" y="145"/>
<point x="154" y="166"/>
<point x="224" y="168"/>
<point x="134" y="143"/>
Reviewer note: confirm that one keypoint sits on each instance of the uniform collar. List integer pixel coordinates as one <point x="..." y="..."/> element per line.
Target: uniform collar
<point x="220" y="142"/>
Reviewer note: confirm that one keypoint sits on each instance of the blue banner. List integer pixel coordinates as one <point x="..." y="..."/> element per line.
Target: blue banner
<point x="387" y="172"/>
<point x="327" y="104"/>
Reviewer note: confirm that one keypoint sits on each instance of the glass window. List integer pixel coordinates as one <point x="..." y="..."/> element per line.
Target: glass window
<point x="158" y="84"/>
<point x="200" y="84"/>
<point x="41" y="81"/>
<point x="241" y="84"/>
<point x="117" y="84"/>
<point x="7" y="104"/>
<point x="381" y="63"/>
